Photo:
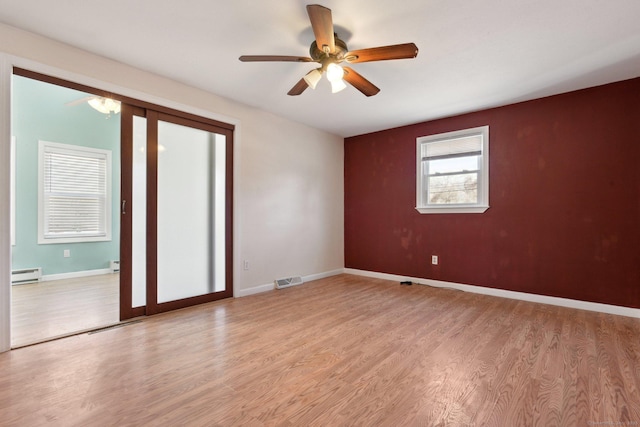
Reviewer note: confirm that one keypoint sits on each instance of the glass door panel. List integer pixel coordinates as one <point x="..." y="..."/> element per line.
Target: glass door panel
<point x="186" y="212"/>
<point x="139" y="213"/>
<point x="219" y="214"/>
<point x="177" y="209"/>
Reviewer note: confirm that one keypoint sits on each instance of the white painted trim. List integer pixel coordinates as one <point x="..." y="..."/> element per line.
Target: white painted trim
<point x="271" y="286"/>
<point x="255" y="290"/>
<point x="451" y="209"/>
<point x="542" y="299"/>
<point x="76" y="274"/>
<point x="312" y="277"/>
<point x="12" y="191"/>
<point x="483" y="179"/>
<point x="5" y="221"/>
<point x="48" y="147"/>
<point x="237" y="229"/>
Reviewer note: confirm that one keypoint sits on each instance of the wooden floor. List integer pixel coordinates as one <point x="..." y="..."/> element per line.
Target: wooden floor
<point x="44" y="310"/>
<point x="345" y="351"/>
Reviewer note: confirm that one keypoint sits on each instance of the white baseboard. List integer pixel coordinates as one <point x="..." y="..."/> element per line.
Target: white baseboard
<point x="543" y="299"/>
<point x="75" y="274"/>
<point x="255" y="290"/>
<point x="324" y="275"/>
<point x="271" y="286"/>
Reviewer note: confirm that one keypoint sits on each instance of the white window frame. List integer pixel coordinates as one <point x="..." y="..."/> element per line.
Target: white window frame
<point x="482" y="205"/>
<point x="103" y="235"/>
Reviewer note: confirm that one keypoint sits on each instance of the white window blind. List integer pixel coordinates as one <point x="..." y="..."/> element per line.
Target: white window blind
<point x="75" y="192"/>
<point x="451" y="148"/>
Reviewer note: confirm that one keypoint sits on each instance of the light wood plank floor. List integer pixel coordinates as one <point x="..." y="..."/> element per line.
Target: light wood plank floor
<point x="346" y="351"/>
<point x="44" y="310"/>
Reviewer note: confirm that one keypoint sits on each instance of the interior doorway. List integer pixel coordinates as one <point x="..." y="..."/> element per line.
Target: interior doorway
<point x="65" y="188"/>
<point x="123" y="214"/>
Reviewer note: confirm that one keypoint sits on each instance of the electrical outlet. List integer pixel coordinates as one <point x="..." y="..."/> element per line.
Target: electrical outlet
<point x="67" y="253"/>
<point x="434" y="259"/>
<point x="245" y="265"/>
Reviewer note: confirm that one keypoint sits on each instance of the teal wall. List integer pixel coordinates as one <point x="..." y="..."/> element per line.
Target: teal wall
<point x="39" y="113"/>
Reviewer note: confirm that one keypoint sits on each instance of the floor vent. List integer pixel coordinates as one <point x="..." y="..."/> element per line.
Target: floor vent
<point x="26" y="275"/>
<point x="289" y="281"/>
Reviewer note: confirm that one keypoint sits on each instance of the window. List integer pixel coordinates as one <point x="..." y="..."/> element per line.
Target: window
<point x="453" y="172"/>
<point x="74" y="202"/>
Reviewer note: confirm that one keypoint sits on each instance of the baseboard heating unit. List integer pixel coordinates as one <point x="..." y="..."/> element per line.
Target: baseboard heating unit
<point x="289" y="281"/>
<point x="26" y="275"/>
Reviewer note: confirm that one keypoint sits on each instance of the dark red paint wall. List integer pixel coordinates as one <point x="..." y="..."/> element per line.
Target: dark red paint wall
<point x="564" y="190"/>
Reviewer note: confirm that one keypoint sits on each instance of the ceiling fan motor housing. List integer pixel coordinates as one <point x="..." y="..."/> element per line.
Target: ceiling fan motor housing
<point x="319" y="55"/>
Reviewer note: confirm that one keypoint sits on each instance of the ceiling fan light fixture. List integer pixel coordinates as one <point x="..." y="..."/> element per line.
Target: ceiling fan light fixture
<point x="335" y="73"/>
<point x="337" y="86"/>
<point x="104" y="105"/>
<point x="313" y="77"/>
<point x="112" y="105"/>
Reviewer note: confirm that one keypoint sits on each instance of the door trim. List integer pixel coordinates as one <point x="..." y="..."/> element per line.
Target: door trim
<point x="11" y="62"/>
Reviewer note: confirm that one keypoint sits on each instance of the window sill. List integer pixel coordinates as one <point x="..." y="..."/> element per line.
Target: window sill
<point x="68" y="239"/>
<point x="453" y="209"/>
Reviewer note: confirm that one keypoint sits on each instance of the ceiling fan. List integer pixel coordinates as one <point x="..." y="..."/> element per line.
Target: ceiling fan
<point x="329" y="51"/>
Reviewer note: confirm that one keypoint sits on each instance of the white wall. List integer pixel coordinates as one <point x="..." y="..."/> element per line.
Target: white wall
<point x="5" y="184"/>
<point x="295" y="196"/>
<point x="288" y="178"/>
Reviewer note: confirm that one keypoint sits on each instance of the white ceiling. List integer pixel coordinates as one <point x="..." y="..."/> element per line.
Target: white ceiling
<point x="473" y="54"/>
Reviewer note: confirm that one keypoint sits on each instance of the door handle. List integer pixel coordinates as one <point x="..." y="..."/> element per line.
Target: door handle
<point x="124" y="209"/>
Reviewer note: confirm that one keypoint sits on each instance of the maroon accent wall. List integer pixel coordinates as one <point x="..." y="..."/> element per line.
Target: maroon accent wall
<point x="564" y="193"/>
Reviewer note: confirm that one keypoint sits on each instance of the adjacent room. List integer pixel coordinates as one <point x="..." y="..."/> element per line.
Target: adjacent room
<point x="283" y="213"/>
<point x="63" y="283"/>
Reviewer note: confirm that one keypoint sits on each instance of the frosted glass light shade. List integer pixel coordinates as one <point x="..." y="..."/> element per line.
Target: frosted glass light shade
<point x="337" y="86"/>
<point x="104" y="105"/>
<point x="312" y="78"/>
<point x="334" y="72"/>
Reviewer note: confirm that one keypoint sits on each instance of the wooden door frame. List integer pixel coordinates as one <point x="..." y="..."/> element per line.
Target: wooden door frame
<point x="127" y="112"/>
<point x="131" y="107"/>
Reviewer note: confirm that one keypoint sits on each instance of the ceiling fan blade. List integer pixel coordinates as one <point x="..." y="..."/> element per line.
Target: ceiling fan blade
<point x="359" y="82"/>
<point x="322" y="25"/>
<point x="383" y="53"/>
<point x="298" y="88"/>
<point x="277" y="58"/>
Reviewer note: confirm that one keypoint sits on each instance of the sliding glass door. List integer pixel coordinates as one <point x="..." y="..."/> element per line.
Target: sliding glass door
<point x="190" y="232"/>
<point x="152" y="211"/>
<point x="177" y="209"/>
